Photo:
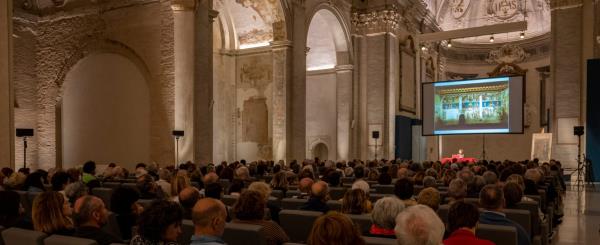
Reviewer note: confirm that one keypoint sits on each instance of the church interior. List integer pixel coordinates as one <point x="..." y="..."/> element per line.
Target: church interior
<point x="202" y="88"/>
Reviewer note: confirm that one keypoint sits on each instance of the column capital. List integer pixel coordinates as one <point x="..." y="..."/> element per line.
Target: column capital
<point x="281" y="44"/>
<point x="183" y="5"/>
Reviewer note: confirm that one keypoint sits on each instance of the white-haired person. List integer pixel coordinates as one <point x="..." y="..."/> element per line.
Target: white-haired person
<point x="384" y="216"/>
<point x="419" y="225"/>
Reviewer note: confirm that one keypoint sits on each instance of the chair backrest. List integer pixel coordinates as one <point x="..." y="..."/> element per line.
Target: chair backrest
<point x="384" y="189"/>
<point x="25" y="202"/>
<point x="472" y="200"/>
<point x="337" y="193"/>
<point x="130" y="185"/>
<point x="363" y="221"/>
<point x="291" y="193"/>
<point x="68" y="240"/>
<point x="17" y="236"/>
<point x="532" y="207"/>
<point x="379" y="241"/>
<point x="187" y="230"/>
<point x="225" y="183"/>
<point x="347" y="180"/>
<point x="243" y="234"/>
<point x="442" y="212"/>
<point x="376" y="196"/>
<point x="297" y="223"/>
<point x="334" y="205"/>
<point x="112" y="226"/>
<point x="521" y="217"/>
<point x="146" y="202"/>
<point x="277" y="194"/>
<point x="274" y="201"/>
<point x="112" y="185"/>
<point x="103" y="193"/>
<point x="229" y="200"/>
<point x="498" y="234"/>
<point x="292" y="203"/>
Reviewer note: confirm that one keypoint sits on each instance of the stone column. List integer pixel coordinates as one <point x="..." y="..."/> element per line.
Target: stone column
<point x="203" y="82"/>
<point x="296" y="88"/>
<point x="344" y="110"/>
<point x="7" y="142"/>
<point x="282" y="135"/>
<point x="183" y="17"/>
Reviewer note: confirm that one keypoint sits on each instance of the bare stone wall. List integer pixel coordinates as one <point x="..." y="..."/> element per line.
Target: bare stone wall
<point x="49" y="46"/>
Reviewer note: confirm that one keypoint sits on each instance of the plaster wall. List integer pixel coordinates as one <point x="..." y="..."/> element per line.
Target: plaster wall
<point x="321" y="111"/>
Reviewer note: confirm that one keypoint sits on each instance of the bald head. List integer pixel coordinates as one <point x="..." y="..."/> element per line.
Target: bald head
<point x="90" y="211"/>
<point x="320" y="189"/>
<point x="188" y="197"/>
<point x="210" y="178"/>
<point x="209" y="216"/>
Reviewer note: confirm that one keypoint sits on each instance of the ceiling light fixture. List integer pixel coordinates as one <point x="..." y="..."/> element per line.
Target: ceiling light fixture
<point x="492" y="39"/>
<point x="449" y="45"/>
<point x="522" y="35"/>
<point x="423" y="48"/>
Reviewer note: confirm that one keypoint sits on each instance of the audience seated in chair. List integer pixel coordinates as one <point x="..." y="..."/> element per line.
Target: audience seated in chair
<point x="51" y="214"/>
<point x="319" y="196"/>
<point x="384" y="216"/>
<point x="12" y="212"/>
<point x="148" y="188"/>
<point x="179" y="182"/>
<point x="159" y="224"/>
<point x="462" y="222"/>
<point x="457" y="190"/>
<point x="429" y="197"/>
<point x="492" y="201"/>
<point x="419" y="225"/>
<point x="404" y="189"/>
<point x="90" y="215"/>
<point x="334" y="229"/>
<point x="265" y="192"/>
<point x="188" y="198"/>
<point x="356" y="202"/>
<point x="124" y="203"/>
<point x="250" y="209"/>
<point x="213" y="190"/>
<point x="304" y="187"/>
<point x="164" y="176"/>
<point x="209" y="216"/>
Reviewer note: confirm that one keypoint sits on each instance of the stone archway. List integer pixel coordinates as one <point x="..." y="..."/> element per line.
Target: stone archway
<point x="320" y="151"/>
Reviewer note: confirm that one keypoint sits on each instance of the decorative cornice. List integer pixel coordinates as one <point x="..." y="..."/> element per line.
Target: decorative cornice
<point x="183" y="5"/>
<point x="384" y="20"/>
<point x="508" y="53"/>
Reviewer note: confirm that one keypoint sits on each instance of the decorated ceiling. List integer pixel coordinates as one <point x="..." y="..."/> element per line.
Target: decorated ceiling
<point x="459" y="14"/>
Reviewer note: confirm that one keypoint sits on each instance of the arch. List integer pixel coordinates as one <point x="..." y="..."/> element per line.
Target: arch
<point x="319" y="148"/>
<point x="115" y="89"/>
<point x="327" y="39"/>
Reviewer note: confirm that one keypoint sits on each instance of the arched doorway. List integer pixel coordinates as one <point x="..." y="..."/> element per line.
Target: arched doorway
<point x="328" y="83"/>
<point x="105" y="112"/>
<point x="320" y="151"/>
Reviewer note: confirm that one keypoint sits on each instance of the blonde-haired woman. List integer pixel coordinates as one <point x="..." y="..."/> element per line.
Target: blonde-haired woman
<point x="265" y="191"/>
<point x="179" y="183"/>
<point x="51" y="214"/>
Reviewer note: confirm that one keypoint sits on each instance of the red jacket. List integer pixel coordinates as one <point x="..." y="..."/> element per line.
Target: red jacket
<point x="465" y="237"/>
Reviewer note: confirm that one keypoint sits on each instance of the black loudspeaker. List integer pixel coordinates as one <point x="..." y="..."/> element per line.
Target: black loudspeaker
<point x="578" y="130"/>
<point x="24" y="132"/>
<point x="375" y="135"/>
<point x="178" y="133"/>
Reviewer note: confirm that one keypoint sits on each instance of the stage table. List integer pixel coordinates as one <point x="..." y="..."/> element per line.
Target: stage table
<point x="470" y="160"/>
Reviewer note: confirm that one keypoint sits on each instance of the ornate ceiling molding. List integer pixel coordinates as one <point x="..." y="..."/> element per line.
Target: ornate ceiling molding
<point x="384" y="20"/>
<point x="507" y="53"/>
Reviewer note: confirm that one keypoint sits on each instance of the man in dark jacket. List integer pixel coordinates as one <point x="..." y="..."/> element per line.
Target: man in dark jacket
<point x="318" y="198"/>
<point x="91" y="214"/>
<point x="492" y="201"/>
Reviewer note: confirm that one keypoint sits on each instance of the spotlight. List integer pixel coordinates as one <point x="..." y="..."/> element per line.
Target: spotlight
<point x="492" y="39"/>
<point x="522" y="35"/>
<point x="423" y="48"/>
<point x="449" y="45"/>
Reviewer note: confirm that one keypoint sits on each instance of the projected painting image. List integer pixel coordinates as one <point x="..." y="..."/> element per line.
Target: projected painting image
<point x="480" y="105"/>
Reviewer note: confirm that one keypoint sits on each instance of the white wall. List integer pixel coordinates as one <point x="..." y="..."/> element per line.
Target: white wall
<point x="105" y="112"/>
<point x="321" y="111"/>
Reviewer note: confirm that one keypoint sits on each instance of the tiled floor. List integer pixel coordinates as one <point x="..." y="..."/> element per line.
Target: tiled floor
<point x="581" y="223"/>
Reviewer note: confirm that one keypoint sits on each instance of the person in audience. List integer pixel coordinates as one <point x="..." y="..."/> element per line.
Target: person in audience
<point x="59" y="181"/>
<point x="334" y="178"/>
<point x="356" y="202"/>
<point x="384" y="217"/>
<point x="188" y="198"/>
<point x="318" y="198"/>
<point x="513" y="194"/>
<point x="148" y="188"/>
<point x="429" y="181"/>
<point x="51" y="214"/>
<point x="210" y="178"/>
<point x="34" y="183"/>
<point x="419" y="225"/>
<point x="404" y="189"/>
<point x="334" y="229"/>
<point x="89" y="172"/>
<point x="159" y="224"/>
<point x="304" y="187"/>
<point x="384" y="178"/>
<point x="235" y="188"/>
<point x="265" y="191"/>
<point x="242" y="173"/>
<point x="492" y="201"/>
<point x="164" y="175"/>
<point x="213" y="190"/>
<point x="462" y="222"/>
<point x="490" y="178"/>
<point x="209" y="216"/>
<point x="250" y="209"/>
<point x="363" y="185"/>
<point x="180" y="182"/>
<point x="429" y="197"/>
<point x="457" y="190"/>
<point x="402" y="173"/>
<point x="15" y="181"/>
<point x="90" y="215"/>
<point x="124" y="203"/>
<point x="279" y="182"/>
<point x="11" y="211"/>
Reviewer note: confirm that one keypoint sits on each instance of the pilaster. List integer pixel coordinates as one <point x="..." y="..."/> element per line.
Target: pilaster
<point x="7" y="142"/>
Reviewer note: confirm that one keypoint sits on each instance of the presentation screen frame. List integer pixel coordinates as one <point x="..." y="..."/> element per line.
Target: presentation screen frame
<point x="522" y="106"/>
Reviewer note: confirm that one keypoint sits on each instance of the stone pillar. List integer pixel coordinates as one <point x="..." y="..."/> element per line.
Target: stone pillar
<point x="203" y="82"/>
<point x="183" y="17"/>
<point x="344" y="111"/>
<point x="296" y="88"/>
<point x="566" y="68"/>
<point x="7" y="142"/>
<point x="282" y="133"/>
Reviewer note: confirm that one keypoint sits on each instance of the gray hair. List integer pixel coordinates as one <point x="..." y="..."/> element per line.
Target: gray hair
<point x="457" y="188"/>
<point x="490" y="178"/>
<point x="164" y="174"/>
<point x="385" y="211"/>
<point x="429" y="181"/>
<point x="419" y="225"/>
<point x="361" y="184"/>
